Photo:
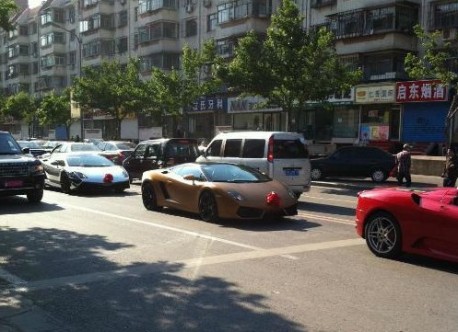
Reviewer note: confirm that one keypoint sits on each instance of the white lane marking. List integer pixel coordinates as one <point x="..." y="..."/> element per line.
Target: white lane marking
<point x="185" y="264"/>
<point x="169" y="228"/>
<point x="327" y="199"/>
<point x="326" y="218"/>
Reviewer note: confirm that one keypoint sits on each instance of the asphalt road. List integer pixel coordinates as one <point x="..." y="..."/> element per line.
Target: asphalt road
<point x="104" y="263"/>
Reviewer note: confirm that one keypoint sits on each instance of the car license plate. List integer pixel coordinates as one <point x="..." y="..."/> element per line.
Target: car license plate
<point x="13" y="183"/>
<point x="291" y="171"/>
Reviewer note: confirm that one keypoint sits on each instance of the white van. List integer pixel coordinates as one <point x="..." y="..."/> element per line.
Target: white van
<point x="280" y="155"/>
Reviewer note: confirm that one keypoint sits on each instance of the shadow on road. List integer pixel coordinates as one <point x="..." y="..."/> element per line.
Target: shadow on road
<point x="57" y="266"/>
<point x="20" y="204"/>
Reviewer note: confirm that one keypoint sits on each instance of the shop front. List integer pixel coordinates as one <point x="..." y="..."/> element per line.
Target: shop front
<point x="205" y="114"/>
<point x="380" y="121"/>
<point x="425" y="106"/>
<point x="248" y="115"/>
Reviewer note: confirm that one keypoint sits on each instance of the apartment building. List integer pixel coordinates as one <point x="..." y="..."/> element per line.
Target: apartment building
<point x="53" y="42"/>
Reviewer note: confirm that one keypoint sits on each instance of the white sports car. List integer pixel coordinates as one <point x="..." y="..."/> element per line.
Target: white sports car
<point x="84" y="171"/>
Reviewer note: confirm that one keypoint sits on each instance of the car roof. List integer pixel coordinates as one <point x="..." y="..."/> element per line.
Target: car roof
<point x="162" y="140"/>
<point x="258" y="134"/>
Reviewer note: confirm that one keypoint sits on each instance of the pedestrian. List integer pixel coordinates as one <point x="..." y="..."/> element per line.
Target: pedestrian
<point x="404" y="162"/>
<point x="450" y="173"/>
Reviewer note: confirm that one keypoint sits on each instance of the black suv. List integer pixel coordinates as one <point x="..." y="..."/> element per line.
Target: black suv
<point x="20" y="172"/>
<point x="159" y="153"/>
<point x="354" y="161"/>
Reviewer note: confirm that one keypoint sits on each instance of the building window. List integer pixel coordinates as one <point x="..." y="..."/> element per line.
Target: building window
<point x="122" y="18"/>
<point x="191" y="27"/>
<point x="71" y="15"/>
<point x="225" y="47"/>
<point x="122" y="45"/>
<point x="160" y="60"/>
<point x="145" y="6"/>
<point x="52" y="38"/>
<point x="212" y="22"/>
<point x="445" y="15"/>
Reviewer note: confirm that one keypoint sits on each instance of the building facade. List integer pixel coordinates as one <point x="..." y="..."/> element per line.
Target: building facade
<point x="54" y="41"/>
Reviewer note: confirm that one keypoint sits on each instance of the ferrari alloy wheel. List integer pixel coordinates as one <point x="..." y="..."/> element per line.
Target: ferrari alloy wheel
<point x="383" y="235"/>
<point x="65" y="183"/>
<point x="207" y="207"/>
<point x="378" y="176"/>
<point x="316" y="174"/>
<point x="149" y="197"/>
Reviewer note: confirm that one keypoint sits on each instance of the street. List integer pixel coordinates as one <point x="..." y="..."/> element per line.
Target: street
<point x="105" y="263"/>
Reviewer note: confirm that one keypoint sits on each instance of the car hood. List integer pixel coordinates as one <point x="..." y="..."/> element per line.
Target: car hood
<point x="394" y="193"/>
<point x="15" y="158"/>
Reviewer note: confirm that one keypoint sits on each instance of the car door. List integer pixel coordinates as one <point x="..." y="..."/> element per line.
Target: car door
<point x="133" y="164"/>
<point x="339" y="163"/>
<point x="183" y="193"/>
<point x="53" y="167"/>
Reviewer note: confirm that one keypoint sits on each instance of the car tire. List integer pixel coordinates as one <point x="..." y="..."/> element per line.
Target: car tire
<point x="35" y="196"/>
<point x="149" y="197"/>
<point x="379" y="176"/>
<point x="208" y="209"/>
<point x="383" y="235"/>
<point x="65" y="183"/>
<point x="316" y="174"/>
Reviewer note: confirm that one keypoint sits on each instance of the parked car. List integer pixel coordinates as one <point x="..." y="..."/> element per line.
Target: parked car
<point x="396" y="220"/>
<point x="116" y="151"/>
<point x="281" y="155"/>
<point x="160" y="153"/>
<point x="354" y="161"/>
<point x="20" y="173"/>
<point x="217" y="190"/>
<point x="84" y="171"/>
<point x="34" y="148"/>
<point x="70" y="147"/>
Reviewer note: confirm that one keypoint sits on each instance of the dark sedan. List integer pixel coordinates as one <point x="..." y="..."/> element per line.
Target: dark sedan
<point x="354" y="161"/>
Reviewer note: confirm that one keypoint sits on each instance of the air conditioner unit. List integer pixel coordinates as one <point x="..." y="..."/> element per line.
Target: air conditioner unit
<point x="207" y="3"/>
<point x="189" y="8"/>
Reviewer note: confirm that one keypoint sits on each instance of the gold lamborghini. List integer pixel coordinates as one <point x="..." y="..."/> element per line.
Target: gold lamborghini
<point x="217" y="190"/>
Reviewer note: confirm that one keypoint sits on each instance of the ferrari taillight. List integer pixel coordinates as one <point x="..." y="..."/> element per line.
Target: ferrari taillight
<point x="108" y="178"/>
<point x="272" y="198"/>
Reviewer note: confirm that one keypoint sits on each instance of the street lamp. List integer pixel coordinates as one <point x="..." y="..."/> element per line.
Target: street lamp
<point x="80" y="61"/>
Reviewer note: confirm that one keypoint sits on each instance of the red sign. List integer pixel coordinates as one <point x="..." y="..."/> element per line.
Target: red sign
<point x="421" y="91"/>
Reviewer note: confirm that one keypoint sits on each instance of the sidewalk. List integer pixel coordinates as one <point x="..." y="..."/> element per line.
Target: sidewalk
<point x="18" y="314"/>
<point x="418" y="181"/>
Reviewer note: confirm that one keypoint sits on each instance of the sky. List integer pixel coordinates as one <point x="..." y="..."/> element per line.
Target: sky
<point x="34" y="3"/>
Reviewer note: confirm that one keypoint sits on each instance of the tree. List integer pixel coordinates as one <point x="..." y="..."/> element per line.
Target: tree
<point x="434" y="63"/>
<point x="291" y="66"/>
<point x="7" y="8"/>
<point x="20" y="106"/>
<point x="113" y="88"/>
<point x="54" y="110"/>
<point x="176" y="90"/>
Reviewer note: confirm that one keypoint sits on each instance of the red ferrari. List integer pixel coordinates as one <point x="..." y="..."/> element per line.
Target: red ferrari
<point x="397" y="220"/>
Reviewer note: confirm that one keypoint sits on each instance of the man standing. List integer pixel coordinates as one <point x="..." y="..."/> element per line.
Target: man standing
<point x="404" y="162"/>
<point x="450" y="173"/>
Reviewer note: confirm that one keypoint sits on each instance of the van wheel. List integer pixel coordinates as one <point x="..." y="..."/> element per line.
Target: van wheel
<point x="316" y="174"/>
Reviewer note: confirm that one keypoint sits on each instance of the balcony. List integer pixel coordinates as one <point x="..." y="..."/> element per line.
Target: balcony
<point x="322" y="3"/>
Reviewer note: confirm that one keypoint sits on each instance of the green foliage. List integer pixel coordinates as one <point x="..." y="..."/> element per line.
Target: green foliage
<point x="7" y="8"/>
<point x="54" y="110"/>
<point x="20" y="106"/>
<point x="291" y="66"/>
<point x="433" y="64"/>
<point x="112" y="87"/>
<point x="177" y="89"/>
